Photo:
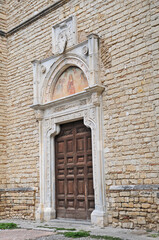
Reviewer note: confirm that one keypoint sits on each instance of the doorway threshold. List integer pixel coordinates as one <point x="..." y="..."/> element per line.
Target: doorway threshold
<point x="72" y="221"/>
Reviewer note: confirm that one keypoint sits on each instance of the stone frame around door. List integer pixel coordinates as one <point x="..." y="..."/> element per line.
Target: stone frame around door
<point x="86" y="105"/>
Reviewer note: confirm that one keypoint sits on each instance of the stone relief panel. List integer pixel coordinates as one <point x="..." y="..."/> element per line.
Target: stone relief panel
<point x="63" y="108"/>
<point x="91" y="121"/>
<point x="71" y="81"/>
<point x="64" y="35"/>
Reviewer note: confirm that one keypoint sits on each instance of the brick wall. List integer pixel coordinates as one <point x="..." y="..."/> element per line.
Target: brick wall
<point x="134" y="208"/>
<point x="3" y="95"/>
<point x="3" y="15"/>
<point x="129" y="71"/>
<point x="17" y="203"/>
<point x="131" y="102"/>
<point x="20" y="10"/>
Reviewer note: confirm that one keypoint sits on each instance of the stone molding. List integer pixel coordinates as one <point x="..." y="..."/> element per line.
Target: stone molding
<point x="17" y="189"/>
<point x="134" y="187"/>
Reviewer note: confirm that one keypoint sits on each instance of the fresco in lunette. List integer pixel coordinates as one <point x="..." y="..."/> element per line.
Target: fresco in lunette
<point x="71" y="81"/>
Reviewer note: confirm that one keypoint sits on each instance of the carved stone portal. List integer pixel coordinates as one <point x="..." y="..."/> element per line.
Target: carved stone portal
<point x="81" y="100"/>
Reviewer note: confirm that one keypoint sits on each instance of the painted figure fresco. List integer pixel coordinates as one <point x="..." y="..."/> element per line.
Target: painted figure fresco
<point x="71" y="81"/>
<point x="70" y="85"/>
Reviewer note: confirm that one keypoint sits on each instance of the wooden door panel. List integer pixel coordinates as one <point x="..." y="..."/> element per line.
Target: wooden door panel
<point x="69" y="160"/>
<point x="61" y="203"/>
<point x="90" y="186"/>
<point x="90" y="204"/>
<point x="60" y="186"/>
<point x="80" y="172"/>
<point x="70" y="186"/>
<point x="70" y="172"/>
<point x="61" y="172"/>
<point x="89" y="158"/>
<point x="81" y="204"/>
<point x="60" y="161"/>
<point x="69" y="145"/>
<point x="80" y="159"/>
<point x="89" y="170"/>
<point x="74" y="173"/>
<point x="80" y="187"/>
<point x="70" y="203"/>
<point x="60" y="147"/>
<point x="80" y="144"/>
<point x="88" y="143"/>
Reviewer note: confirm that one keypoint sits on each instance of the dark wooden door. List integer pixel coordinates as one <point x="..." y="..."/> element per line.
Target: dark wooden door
<point x="74" y="175"/>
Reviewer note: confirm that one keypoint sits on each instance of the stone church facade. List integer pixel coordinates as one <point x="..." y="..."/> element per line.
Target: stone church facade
<point x="79" y="111"/>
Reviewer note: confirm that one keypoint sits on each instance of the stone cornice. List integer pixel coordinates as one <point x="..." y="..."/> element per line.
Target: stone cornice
<point x="26" y="189"/>
<point x="44" y="12"/>
<point x="88" y="91"/>
<point x="134" y="187"/>
<point x="60" y="101"/>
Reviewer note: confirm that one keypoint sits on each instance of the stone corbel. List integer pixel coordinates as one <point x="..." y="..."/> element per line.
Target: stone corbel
<point x="96" y="91"/>
<point x="96" y="99"/>
<point x="90" y="118"/>
<point x="39" y="114"/>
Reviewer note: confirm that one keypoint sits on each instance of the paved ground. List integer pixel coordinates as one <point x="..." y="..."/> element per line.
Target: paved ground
<point x="30" y="230"/>
<point x="22" y="234"/>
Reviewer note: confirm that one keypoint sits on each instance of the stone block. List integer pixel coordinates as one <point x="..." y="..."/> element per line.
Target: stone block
<point x="141" y="220"/>
<point x="145" y="205"/>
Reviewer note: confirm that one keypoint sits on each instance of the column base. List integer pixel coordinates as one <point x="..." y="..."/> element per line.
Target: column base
<point x="99" y="218"/>
<point x="45" y="214"/>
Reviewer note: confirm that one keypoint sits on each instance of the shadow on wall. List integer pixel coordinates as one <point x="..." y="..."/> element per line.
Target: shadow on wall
<point x="105" y="55"/>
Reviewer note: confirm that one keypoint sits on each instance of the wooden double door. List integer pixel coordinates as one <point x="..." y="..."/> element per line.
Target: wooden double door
<point x="74" y="173"/>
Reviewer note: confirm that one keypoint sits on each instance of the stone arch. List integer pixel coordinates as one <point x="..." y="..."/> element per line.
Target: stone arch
<point x="57" y="69"/>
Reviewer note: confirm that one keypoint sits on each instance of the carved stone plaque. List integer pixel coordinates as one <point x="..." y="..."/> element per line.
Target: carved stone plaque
<point x="64" y="35"/>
